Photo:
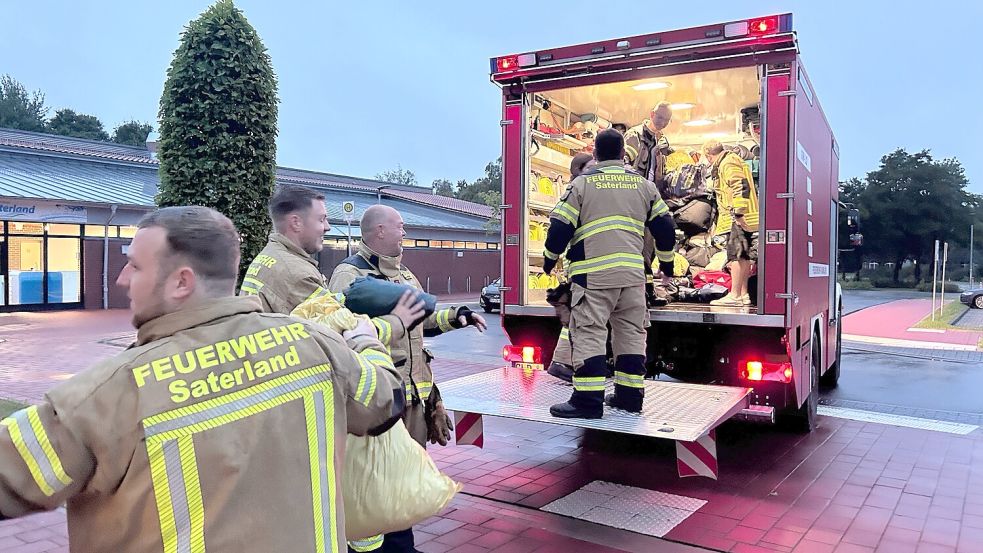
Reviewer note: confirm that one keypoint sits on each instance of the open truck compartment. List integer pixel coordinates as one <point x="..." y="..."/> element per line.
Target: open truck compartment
<point x="724" y="105"/>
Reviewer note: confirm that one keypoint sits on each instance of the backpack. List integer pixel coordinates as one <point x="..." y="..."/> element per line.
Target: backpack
<point x="696" y="216"/>
<point x="683" y="184"/>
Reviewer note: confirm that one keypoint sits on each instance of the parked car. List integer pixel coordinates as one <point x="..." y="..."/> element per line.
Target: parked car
<point x="491" y="297"/>
<point x="973" y="298"/>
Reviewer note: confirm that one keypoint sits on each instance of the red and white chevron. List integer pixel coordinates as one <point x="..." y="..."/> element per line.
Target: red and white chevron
<point x="698" y="458"/>
<point x="468" y="429"/>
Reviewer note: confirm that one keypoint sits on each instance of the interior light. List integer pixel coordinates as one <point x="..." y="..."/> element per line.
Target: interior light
<point x="699" y="123"/>
<point x="682" y="106"/>
<point x="715" y="135"/>
<point x="658" y="85"/>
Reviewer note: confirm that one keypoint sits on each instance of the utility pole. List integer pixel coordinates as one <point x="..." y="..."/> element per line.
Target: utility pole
<point x="971" y="255"/>
<point x="945" y="259"/>
<point x="935" y="275"/>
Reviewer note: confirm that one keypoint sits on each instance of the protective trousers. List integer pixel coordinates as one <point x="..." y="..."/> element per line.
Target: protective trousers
<point x="563" y="353"/>
<point x="624" y="309"/>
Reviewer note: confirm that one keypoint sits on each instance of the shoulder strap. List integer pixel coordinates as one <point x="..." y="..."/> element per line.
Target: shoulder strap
<point x="359" y="262"/>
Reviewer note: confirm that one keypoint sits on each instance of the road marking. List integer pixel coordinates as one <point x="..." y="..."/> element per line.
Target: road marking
<point x="897" y="420"/>
<point x="639" y="510"/>
<point x="932" y="330"/>
<point x="918" y="344"/>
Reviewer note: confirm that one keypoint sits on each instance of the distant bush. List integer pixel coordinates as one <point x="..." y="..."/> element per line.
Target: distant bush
<point x="856" y="285"/>
<point x="927" y="287"/>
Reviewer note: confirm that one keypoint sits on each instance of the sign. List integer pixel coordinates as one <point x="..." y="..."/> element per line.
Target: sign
<point x="349" y="209"/>
<point x="42" y="212"/>
<point x="818" y="270"/>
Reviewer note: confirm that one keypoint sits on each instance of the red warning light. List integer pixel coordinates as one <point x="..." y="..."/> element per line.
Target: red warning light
<point x="507" y="63"/>
<point x="763" y="26"/>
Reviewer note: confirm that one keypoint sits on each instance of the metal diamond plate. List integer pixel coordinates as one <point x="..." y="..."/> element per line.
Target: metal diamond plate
<point x="577" y="503"/>
<point x="897" y="420"/>
<point x="671" y="410"/>
<point x="657" y="523"/>
<point x="608" y="517"/>
<point x="630" y="494"/>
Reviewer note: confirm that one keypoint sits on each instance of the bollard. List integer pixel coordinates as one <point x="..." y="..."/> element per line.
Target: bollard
<point x="428" y="285"/>
<point x="469" y="284"/>
<point x="448" y="285"/>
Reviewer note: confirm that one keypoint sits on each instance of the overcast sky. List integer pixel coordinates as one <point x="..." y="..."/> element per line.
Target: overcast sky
<point x="365" y="86"/>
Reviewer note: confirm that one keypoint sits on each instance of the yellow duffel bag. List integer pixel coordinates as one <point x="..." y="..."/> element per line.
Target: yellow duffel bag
<point x="390" y="483"/>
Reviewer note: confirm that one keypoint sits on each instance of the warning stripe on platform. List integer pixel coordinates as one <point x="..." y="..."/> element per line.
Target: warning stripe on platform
<point x="469" y="429"/>
<point x="698" y="458"/>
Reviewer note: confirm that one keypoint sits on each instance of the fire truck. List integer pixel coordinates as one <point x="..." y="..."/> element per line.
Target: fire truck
<point x="742" y="83"/>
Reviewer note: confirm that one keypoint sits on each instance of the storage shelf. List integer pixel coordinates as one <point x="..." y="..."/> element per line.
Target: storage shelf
<point x="551" y="164"/>
<point x="562" y="140"/>
<point x="541" y="206"/>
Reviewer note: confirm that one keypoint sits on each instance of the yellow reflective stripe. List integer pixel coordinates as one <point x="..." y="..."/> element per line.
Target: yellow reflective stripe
<point x="665" y="256"/>
<point x="630" y="260"/>
<point x="631" y="229"/>
<point x="35" y="449"/>
<point x="162" y="495"/>
<point x="366" y="381"/>
<point x="624" y="264"/>
<point x="550" y="255"/>
<point x="588" y="383"/>
<point x="256" y="284"/>
<point x="379" y="359"/>
<point x="318" y="292"/>
<point x="611" y="169"/>
<point x="566" y="211"/>
<point x="630" y="380"/>
<point x="192" y="489"/>
<point x="565" y="333"/>
<point x="368" y="544"/>
<point x="423" y="388"/>
<point x="443" y="319"/>
<point x="659" y="208"/>
<point x="614" y="222"/>
<point x="49" y="451"/>
<point x="249" y="291"/>
<point x="384" y="330"/>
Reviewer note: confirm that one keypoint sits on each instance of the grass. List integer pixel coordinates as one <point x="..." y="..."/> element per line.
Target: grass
<point x="952" y="311"/>
<point x="856" y="285"/>
<point x="7" y="407"/>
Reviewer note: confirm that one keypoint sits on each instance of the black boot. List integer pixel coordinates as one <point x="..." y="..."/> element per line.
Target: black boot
<point x="561" y="371"/>
<point x="629" y="383"/>
<point x="632" y="406"/>
<point x="587" y="400"/>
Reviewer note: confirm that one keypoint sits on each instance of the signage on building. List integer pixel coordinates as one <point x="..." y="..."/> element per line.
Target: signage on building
<point x="42" y="212"/>
<point x="349" y="209"/>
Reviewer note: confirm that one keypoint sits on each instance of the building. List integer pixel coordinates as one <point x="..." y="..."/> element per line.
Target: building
<point x="68" y="209"/>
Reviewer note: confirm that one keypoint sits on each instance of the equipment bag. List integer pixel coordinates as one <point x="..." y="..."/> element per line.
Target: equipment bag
<point x="695" y="217"/>
<point x="720" y="278"/>
<point x="683" y="184"/>
<point x="376" y="297"/>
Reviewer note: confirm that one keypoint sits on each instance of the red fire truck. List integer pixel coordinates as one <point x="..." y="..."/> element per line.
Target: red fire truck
<point x="744" y="84"/>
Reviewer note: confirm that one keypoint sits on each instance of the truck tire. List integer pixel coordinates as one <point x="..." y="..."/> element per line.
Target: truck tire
<point x="805" y="418"/>
<point x="831" y="377"/>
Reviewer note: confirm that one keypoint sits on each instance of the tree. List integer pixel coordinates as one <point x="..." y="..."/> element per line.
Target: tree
<point x="133" y="133"/>
<point x="18" y="108"/>
<point x="491" y="182"/>
<point x="910" y="201"/>
<point x="218" y="117"/>
<point x="398" y="176"/>
<point x="443" y="187"/>
<point x="67" y="122"/>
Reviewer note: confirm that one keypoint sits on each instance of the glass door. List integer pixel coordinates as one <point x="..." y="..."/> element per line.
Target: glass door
<point x="3" y="270"/>
<point x="64" y="270"/>
<point x="25" y="264"/>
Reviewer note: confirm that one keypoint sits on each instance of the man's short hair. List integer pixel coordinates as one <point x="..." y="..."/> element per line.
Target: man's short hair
<point x="609" y="145"/>
<point x="290" y="198"/>
<point x="201" y="237"/>
<point x="579" y="163"/>
<point x="712" y="147"/>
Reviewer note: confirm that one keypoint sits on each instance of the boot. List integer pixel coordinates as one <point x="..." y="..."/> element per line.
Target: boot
<point x="587" y="400"/>
<point x="633" y="405"/>
<point x="629" y="383"/>
<point x="562" y="371"/>
<point x="570" y="411"/>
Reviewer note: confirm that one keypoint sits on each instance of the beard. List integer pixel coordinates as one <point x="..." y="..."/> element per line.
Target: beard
<point x="152" y="311"/>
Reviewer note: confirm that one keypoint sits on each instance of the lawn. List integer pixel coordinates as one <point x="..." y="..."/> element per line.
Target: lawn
<point x="952" y="311"/>
<point x="7" y="407"/>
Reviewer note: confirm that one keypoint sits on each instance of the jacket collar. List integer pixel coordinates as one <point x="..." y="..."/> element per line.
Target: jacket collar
<point x="293" y="248"/>
<point x="387" y="265"/>
<point x="210" y="310"/>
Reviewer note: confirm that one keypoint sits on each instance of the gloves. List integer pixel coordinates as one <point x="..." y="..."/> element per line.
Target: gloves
<point x="439" y="425"/>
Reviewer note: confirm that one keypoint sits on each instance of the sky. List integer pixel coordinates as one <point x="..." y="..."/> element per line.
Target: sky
<point x="369" y="86"/>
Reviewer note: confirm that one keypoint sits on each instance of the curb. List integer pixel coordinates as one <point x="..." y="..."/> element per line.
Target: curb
<point x="916" y="344"/>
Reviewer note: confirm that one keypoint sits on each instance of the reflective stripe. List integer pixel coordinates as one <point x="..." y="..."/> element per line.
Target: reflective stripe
<point x="631" y="151"/>
<point x="424" y="389"/>
<point x="565" y="333"/>
<point x="249" y="290"/>
<point x="32" y="443"/>
<point x="629" y="260"/>
<point x="659" y="208"/>
<point x="173" y="467"/>
<point x="320" y="445"/>
<point x="550" y="255"/>
<point x="665" y="256"/>
<point x="378" y="359"/>
<point x="317" y="293"/>
<point x="368" y="544"/>
<point x="612" y="169"/>
<point x="614" y="222"/>
<point x="366" y="381"/>
<point x="254" y="283"/>
<point x="630" y="380"/>
<point x="588" y="383"/>
<point x="566" y="211"/>
<point x="443" y="319"/>
<point x="384" y="330"/>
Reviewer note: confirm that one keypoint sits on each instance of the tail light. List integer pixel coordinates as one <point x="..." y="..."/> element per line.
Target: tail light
<point x="522" y="354"/>
<point x="506" y="63"/>
<point x="763" y="26"/>
<point x="756" y="371"/>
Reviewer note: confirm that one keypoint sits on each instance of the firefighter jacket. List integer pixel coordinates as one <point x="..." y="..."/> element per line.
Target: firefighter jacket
<point x="646" y="152"/>
<point x="735" y="192"/>
<point x="284" y="276"/>
<point x="221" y="428"/>
<point x="603" y="217"/>
<point x="408" y="354"/>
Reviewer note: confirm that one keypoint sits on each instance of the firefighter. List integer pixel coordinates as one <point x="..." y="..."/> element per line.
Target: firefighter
<point x="562" y="365"/>
<point x="737" y="219"/>
<point x="380" y="255"/>
<point x="285" y="274"/>
<point x="646" y="146"/>
<point x="603" y="217"/>
<point x="214" y="424"/>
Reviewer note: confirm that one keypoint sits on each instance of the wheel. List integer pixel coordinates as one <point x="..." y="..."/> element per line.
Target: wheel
<point x="832" y="376"/>
<point x="978" y="301"/>
<point x="487" y="308"/>
<point x="805" y="418"/>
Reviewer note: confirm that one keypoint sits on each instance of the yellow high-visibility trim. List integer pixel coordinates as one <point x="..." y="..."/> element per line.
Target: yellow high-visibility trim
<point x="588" y="383"/>
<point x="192" y="489"/>
<point x="443" y="320"/>
<point x="318" y="292"/>
<point x="550" y="255"/>
<point x="614" y="222"/>
<point x="257" y="284"/>
<point x="46" y="447"/>
<point x="310" y="419"/>
<point x="630" y="380"/>
<point x="665" y="256"/>
<point x="632" y="152"/>
<point x="162" y="495"/>
<point x="629" y="260"/>
<point x="565" y="333"/>
<point x="659" y="208"/>
<point x="32" y="465"/>
<point x="368" y="544"/>
<point x="566" y="211"/>
<point x="366" y="382"/>
<point x="384" y="330"/>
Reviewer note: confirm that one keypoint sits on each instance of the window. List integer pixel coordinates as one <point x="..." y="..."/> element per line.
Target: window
<point x="63" y="230"/>
<point x="127" y="232"/>
<point x="471" y="245"/>
<point x="492" y="245"/>
<point x="17" y="227"/>
<point x="444" y="244"/>
<point x="459" y="245"/>
<point x="423" y="243"/>
<point x="482" y="245"/>
<point x="409" y="243"/>
<point x="97" y="231"/>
